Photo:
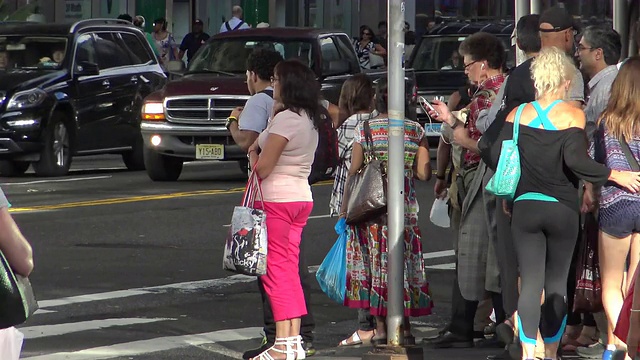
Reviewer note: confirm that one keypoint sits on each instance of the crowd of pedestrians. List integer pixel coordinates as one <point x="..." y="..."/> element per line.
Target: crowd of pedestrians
<point x="519" y="255"/>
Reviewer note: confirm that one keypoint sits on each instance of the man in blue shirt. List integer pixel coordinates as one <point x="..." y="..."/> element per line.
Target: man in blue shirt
<point x="192" y="42"/>
<point x="236" y="22"/>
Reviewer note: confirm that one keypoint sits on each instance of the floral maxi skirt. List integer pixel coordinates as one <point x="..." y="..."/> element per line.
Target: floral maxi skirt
<point x="367" y="280"/>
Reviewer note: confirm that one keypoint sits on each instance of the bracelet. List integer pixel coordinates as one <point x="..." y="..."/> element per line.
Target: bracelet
<point x="441" y="177"/>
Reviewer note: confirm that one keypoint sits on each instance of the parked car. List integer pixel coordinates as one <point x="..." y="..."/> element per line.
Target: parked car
<point x="72" y="89"/>
<point x="437" y="74"/>
<point x="185" y="120"/>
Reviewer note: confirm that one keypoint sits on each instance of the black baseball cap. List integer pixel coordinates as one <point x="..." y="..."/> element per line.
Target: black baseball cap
<point x="558" y="17"/>
<point x="198" y="22"/>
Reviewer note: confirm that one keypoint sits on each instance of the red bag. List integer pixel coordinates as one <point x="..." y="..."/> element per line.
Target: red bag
<point x="622" y="327"/>
<point x="588" y="297"/>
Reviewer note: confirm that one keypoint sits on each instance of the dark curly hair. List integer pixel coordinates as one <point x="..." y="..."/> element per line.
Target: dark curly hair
<point x="483" y="46"/>
<point x="299" y="90"/>
<point x="262" y="62"/>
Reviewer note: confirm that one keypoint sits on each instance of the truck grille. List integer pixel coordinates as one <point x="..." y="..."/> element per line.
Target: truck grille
<point x="211" y="110"/>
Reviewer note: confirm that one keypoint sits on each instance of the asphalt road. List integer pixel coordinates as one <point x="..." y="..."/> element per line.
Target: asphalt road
<point x="127" y="268"/>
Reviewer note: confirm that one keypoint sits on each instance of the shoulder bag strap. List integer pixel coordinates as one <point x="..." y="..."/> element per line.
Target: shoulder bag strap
<point x="239" y="24"/>
<point x="226" y="24"/>
<point x="627" y="153"/>
<point x="368" y="138"/>
<point x="516" y="123"/>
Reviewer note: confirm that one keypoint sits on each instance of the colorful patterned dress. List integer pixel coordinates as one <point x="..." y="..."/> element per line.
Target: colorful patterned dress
<point x="367" y="245"/>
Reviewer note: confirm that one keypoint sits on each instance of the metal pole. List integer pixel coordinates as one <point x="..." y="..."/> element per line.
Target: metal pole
<point x="522" y="9"/>
<point x="620" y="24"/>
<point x="536" y="7"/>
<point x="395" y="177"/>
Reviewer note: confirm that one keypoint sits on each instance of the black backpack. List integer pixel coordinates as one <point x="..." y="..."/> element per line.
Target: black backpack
<point x="327" y="156"/>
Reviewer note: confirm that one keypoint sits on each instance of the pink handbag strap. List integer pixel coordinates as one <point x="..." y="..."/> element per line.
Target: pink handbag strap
<point x="252" y="189"/>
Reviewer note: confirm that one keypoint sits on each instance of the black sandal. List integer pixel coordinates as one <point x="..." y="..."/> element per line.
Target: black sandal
<point x="379" y="341"/>
<point x="409" y="340"/>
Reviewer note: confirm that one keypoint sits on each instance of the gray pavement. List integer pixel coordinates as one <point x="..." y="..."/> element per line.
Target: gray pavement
<point x="131" y="269"/>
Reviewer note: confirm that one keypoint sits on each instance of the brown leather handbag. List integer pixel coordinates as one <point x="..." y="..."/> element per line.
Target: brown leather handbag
<point x="368" y="187"/>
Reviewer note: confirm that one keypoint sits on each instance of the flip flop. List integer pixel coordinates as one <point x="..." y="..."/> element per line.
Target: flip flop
<point x="353" y="340"/>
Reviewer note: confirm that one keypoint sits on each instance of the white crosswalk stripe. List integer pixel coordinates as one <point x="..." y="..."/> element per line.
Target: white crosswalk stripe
<point x="102" y="320"/>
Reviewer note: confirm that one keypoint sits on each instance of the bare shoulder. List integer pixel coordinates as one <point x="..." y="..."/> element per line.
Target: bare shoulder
<point x="570" y="116"/>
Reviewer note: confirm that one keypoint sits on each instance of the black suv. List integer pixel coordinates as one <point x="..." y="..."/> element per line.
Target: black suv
<point x="72" y="89"/>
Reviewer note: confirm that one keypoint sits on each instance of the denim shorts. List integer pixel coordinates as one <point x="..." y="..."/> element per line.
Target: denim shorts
<point x="620" y="219"/>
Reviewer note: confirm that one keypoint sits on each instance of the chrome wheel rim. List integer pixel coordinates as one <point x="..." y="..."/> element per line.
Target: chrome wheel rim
<point x="60" y="144"/>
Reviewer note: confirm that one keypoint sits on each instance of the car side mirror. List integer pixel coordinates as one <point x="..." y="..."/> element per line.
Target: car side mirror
<point x="85" y="68"/>
<point x="336" y="67"/>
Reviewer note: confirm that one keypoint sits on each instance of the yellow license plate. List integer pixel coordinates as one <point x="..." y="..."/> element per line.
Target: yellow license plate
<point x="209" y="152"/>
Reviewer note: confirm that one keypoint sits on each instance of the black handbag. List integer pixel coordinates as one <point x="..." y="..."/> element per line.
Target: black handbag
<point x="368" y="187"/>
<point x="17" y="301"/>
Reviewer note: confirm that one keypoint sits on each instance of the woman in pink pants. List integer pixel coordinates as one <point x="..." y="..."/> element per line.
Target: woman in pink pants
<point x="282" y="157"/>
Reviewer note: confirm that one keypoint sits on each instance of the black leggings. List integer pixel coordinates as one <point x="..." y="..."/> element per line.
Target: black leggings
<point x="544" y="236"/>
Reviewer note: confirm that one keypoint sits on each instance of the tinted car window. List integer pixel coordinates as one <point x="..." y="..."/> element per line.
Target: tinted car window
<point x="230" y="55"/>
<point x="329" y="50"/>
<point x="32" y="52"/>
<point x="136" y="49"/>
<point x="347" y="48"/>
<point x="110" y="53"/>
<point x="441" y="53"/>
<point x="85" y="50"/>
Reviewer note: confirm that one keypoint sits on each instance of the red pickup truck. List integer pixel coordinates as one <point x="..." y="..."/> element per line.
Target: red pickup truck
<point x="184" y="121"/>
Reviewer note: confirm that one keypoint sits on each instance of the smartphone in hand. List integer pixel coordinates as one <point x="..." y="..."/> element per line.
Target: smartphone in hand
<point x="426" y="105"/>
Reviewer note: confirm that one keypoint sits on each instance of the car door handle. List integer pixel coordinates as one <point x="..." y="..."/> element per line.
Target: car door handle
<point x="134" y="79"/>
<point x="106" y="83"/>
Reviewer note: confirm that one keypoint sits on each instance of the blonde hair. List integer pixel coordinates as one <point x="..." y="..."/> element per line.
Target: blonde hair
<point x="623" y="110"/>
<point x="549" y="71"/>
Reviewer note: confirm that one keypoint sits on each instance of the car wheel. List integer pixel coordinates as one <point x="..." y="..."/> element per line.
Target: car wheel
<point x="13" y="168"/>
<point x="55" y="157"/>
<point x="160" y="167"/>
<point x="134" y="159"/>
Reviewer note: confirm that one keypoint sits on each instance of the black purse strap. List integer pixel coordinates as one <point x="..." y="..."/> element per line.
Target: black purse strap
<point x="368" y="138"/>
<point x="627" y="153"/>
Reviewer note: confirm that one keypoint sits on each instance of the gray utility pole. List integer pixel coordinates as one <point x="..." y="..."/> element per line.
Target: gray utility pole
<point x="522" y="9"/>
<point x="621" y="24"/>
<point x="536" y="7"/>
<point x="395" y="176"/>
<point x="395" y="192"/>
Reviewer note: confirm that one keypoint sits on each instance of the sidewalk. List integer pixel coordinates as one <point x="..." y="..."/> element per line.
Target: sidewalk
<point x="420" y="332"/>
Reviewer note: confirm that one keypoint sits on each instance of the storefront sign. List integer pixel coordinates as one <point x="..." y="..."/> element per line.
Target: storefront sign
<point x="77" y="10"/>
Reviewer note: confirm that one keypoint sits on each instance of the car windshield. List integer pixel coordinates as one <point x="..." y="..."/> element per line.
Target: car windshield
<point x="229" y="56"/>
<point x="32" y="52"/>
<point x="440" y="53"/>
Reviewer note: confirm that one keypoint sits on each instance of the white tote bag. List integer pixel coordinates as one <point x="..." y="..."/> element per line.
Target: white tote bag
<point x="10" y="343"/>
<point x="245" y="250"/>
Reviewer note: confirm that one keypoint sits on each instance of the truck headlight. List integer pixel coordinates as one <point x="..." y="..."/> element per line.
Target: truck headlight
<point x="153" y="111"/>
<point x="26" y="99"/>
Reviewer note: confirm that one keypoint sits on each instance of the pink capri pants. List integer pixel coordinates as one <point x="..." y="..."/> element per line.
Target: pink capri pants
<point x="285" y="221"/>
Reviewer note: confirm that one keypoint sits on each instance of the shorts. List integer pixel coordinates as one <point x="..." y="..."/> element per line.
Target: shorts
<point x="620" y="219"/>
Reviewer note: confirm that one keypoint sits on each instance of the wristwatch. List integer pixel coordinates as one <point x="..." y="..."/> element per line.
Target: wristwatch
<point x="230" y="119"/>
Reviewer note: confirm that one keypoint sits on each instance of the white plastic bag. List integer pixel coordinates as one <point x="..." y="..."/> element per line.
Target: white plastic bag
<point x="440" y="213"/>
<point x="10" y="343"/>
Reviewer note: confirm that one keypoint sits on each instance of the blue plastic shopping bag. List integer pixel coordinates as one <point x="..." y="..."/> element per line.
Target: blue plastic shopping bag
<point x="332" y="274"/>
